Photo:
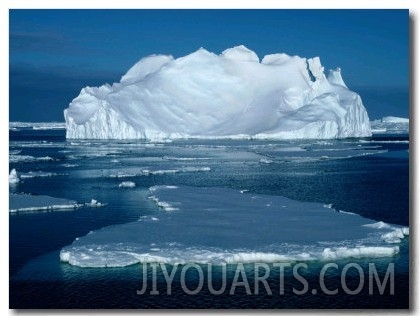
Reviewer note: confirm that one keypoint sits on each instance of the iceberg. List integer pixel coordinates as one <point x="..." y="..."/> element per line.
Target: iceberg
<point x="231" y="95"/>
<point x="391" y="125"/>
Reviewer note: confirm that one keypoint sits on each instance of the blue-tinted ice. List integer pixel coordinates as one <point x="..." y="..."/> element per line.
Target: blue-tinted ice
<point x="217" y="225"/>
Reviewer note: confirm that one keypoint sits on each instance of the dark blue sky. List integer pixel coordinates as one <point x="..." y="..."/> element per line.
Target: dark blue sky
<point x="54" y="53"/>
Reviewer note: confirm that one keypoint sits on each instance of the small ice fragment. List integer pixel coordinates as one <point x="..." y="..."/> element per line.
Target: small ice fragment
<point x="266" y="161"/>
<point x="127" y="184"/>
<point x="13" y="177"/>
<point x="94" y="203"/>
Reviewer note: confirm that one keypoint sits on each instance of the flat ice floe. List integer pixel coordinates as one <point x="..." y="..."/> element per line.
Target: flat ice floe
<point x="147" y="172"/>
<point x="37" y="125"/>
<point x="34" y="203"/>
<point x="29" y="203"/>
<point x="28" y="158"/>
<point x="219" y="226"/>
<point x="37" y="174"/>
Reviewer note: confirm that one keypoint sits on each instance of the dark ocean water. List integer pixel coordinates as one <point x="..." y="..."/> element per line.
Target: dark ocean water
<point x="368" y="176"/>
<point x="381" y="102"/>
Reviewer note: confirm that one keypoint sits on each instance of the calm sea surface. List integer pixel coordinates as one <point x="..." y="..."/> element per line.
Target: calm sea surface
<point x="367" y="176"/>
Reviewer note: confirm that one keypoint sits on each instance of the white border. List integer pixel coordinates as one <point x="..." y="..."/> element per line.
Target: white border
<point x="5" y="5"/>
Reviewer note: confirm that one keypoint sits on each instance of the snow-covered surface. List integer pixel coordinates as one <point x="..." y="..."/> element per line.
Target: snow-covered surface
<point x="391" y="125"/>
<point x="28" y="203"/>
<point x="231" y="95"/>
<point x="217" y="225"/>
<point x="13" y="177"/>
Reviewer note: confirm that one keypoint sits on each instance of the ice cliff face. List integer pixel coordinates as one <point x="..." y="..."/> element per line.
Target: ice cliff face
<point x="232" y="95"/>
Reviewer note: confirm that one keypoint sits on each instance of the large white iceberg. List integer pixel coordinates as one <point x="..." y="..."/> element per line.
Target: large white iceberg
<point x="232" y="95"/>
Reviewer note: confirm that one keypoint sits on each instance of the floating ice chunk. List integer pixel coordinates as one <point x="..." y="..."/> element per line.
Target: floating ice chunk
<point x="94" y="203"/>
<point x="148" y="172"/>
<point x="69" y="165"/>
<point x="266" y="161"/>
<point x="28" y="203"/>
<point x="28" y="158"/>
<point x="148" y="218"/>
<point x="171" y="187"/>
<point x="35" y="174"/>
<point x="127" y="184"/>
<point x="13" y="177"/>
<point x="394" y="234"/>
<point x="217" y="225"/>
<point x="65" y="256"/>
<point x="195" y="169"/>
<point x="359" y="252"/>
<point x="168" y="171"/>
<point x="164" y="205"/>
<point x="394" y="119"/>
<point x="378" y="225"/>
<point x="122" y="175"/>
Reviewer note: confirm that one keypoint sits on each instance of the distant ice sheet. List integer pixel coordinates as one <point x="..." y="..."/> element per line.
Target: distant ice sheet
<point x="148" y="172"/>
<point x="395" y="119"/>
<point x="217" y="225"/>
<point x="391" y="125"/>
<point x="37" y="125"/>
<point x="36" y="174"/>
<point x="28" y="158"/>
